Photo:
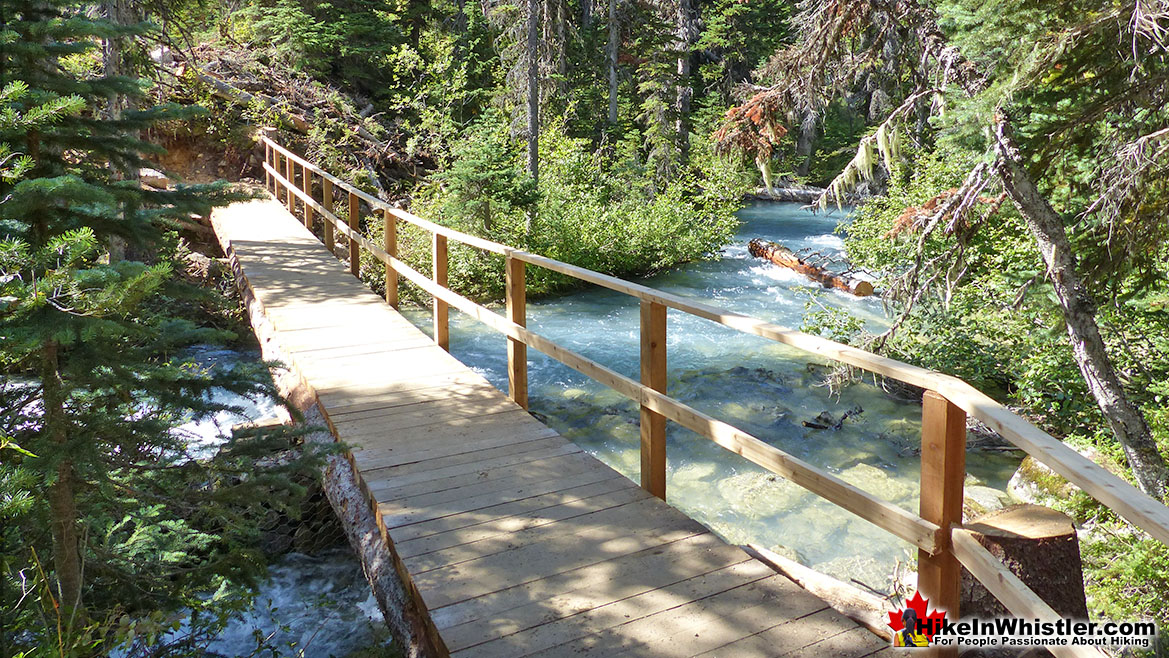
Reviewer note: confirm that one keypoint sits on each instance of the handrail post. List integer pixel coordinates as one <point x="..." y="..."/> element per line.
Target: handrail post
<point x="653" y="375"/>
<point x="307" y="181"/>
<point x="355" y="226"/>
<point x="268" y="185"/>
<point x="943" y="474"/>
<point x="327" y="202"/>
<point x="290" y="175"/>
<point x="517" y="351"/>
<point x="390" y="244"/>
<point x="442" y="334"/>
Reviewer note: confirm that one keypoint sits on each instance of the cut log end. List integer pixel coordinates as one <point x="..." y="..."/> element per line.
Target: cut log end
<point x="782" y="256"/>
<point x="1040" y="546"/>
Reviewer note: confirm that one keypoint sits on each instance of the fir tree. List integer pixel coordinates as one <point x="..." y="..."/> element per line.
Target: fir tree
<point x="133" y="517"/>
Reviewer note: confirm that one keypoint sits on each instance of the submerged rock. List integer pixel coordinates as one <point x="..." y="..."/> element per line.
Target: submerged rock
<point x="879" y="483"/>
<point x="692" y="474"/>
<point x="788" y="552"/>
<point x="858" y="569"/>
<point x="763" y="495"/>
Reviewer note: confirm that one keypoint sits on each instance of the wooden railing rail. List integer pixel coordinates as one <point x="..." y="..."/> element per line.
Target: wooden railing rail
<point x="946" y="404"/>
<point x="892" y="518"/>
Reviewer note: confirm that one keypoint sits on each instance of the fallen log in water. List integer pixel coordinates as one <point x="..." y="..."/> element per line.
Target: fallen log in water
<point x="781" y="255"/>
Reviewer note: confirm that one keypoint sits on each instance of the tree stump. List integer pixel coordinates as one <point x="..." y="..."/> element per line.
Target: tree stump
<point x="1039" y="545"/>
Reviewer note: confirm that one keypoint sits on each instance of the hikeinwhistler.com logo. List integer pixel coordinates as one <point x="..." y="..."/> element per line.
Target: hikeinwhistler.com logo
<point x="916" y="625"/>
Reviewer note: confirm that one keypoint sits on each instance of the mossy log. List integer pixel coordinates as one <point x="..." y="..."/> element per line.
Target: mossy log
<point x="782" y="256"/>
<point x="1039" y="545"/>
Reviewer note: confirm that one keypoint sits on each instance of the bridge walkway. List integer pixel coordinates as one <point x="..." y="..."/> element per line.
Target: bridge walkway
<point x="517" y="542"/>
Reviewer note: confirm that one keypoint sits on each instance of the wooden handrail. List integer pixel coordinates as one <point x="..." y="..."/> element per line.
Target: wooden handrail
<point x="940" y="548"/>
<point x="900" y="522"/>
<point x="1120" y="496"/>
<point x="653" y="376"/>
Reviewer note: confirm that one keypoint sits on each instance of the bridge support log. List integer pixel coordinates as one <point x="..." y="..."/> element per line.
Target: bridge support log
<point x="398" y="599"/>
<point x="390" y="244"/>
<point x="943" y="473"/>
<point x="442" y="330"/>
<point x="355" y="225"/>
<point x="653" y="375"/>
<point x="327" y="202"/>
<point x="517" y="352"/>
<point x="1040" y="546"/>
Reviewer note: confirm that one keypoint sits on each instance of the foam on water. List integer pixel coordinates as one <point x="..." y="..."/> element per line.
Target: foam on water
<point x="311" y="606"/>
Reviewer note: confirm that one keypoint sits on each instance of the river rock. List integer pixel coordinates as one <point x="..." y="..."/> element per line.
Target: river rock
<point x="861" y="568"/>
<point x="788" y="552"/>
<point x="763" y="495"/>
<point x="573" y="393"/>
<point x="153" y="178"/>
<point x="693" y="474"/>
<point x="879" y="483"/>
<point x="980" y="500"/>
<point x="1034" y="482"/>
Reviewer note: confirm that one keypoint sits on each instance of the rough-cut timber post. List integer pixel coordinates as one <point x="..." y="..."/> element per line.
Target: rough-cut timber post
<point x="943" y="473"/>
<point x="355" y="226"/>
<point x="290" y="176"/>
<point x="390" y="244"/>
<point x="307" y="181"/>
<point x="327" y="202"/>
<point x="517" y="352"/>
<point x="442" y="335"/>
<point x="653" y="375"/>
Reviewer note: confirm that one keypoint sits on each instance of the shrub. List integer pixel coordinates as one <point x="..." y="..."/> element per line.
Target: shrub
<point x="594" y="208"/>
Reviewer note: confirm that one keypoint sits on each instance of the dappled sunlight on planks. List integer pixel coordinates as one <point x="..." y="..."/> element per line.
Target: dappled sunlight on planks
<point x="515" y="540"/>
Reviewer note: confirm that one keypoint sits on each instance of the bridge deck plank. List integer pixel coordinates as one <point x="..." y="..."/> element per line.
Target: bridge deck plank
<point x="517" y="542"/>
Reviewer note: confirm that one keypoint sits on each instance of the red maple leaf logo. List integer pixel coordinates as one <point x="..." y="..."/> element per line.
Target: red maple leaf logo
<point x="930" y="622"/>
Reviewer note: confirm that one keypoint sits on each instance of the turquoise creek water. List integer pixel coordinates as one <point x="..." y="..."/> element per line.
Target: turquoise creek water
<point x="760" y="386"/>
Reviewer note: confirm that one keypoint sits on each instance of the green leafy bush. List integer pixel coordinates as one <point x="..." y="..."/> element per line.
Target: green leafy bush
<point x="594" y="208"/>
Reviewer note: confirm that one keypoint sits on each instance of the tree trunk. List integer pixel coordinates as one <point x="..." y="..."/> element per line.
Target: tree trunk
<point x="1079" y="313"/>
<point x="806" y="143"/>
<point x="115" y="63"/>
<point x="614" y="36"/>
<point x="586" y="13"/>
<point x="1040" y="546"/>
<point x="685" y="33"/>
<point x="62" y="506"/>
<point x="1046" y="226"/>
<point x="562" y="40"/>
<point x="534" y="7"/>
<point x="782" y="256"/>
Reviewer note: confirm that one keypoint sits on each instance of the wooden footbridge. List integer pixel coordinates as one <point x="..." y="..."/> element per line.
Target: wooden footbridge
<point x="515" y="542"/>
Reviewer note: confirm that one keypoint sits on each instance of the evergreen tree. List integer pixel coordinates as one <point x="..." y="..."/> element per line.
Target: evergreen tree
<point x="134" y="517"/>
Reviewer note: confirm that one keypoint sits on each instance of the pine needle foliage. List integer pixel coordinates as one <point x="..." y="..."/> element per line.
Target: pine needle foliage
<point x="107" y="507"/>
